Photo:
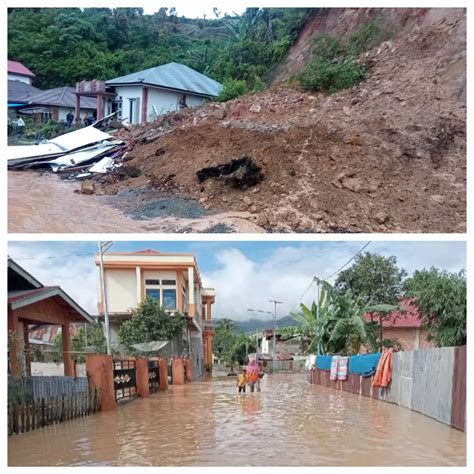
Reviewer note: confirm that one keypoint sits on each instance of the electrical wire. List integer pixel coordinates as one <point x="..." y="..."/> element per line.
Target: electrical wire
<point x="349" y="261"/>
<point x="332" y="274"/>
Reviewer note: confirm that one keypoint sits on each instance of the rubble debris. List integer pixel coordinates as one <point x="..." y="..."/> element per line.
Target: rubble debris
<point x="241" y="173"/>
<point x="76" y="154"/>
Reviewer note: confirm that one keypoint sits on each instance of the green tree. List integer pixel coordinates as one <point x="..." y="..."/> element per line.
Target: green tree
<point x="441" y="298"/>
<point x="224" y="340"/>
<point x="151" y="322"/>
<point x="90" y="340"/>
<point x="373" y="279"/>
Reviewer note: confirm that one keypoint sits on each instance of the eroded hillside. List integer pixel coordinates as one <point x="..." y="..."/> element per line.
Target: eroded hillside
<point x="387" y="155"/>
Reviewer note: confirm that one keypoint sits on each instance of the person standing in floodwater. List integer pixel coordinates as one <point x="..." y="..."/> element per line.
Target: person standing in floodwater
<point x="252" y="375"/>
<point x="241" y="381"/>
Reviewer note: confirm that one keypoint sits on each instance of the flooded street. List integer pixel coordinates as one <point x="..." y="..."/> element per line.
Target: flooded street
<point x="290" y="423"/>
<point x="45" y="203"/>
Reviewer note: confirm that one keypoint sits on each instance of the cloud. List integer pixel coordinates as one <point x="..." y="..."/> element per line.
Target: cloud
<point x="69" y="267"/>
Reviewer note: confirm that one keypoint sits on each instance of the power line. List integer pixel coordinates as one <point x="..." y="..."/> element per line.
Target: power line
<point x="302" y="296"/>
<point x="349" y="261"/>
<point x="332" y="274"/>
<point x="55" y="256"/>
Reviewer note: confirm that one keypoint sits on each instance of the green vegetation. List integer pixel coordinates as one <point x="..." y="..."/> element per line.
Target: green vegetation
<point x="373" y="278"/>
<point x="232" y="89"/>
<point x="334" y="65"/>
<point x="65" y="45"/>
<point x="89" y="340"/>
<point x="231" y="346"/>
<point x="151" y="322"/>
<point x="374" y="285"/>
<point x="441" y="297"/>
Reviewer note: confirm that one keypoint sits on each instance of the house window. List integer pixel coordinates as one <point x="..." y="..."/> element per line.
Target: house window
<point x="153" y="293"/>
<point x="152" y="282"/>
<point x="169" y="299"/>
<point x="163" y="291"/>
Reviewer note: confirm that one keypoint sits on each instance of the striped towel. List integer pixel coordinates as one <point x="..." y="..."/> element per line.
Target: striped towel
<point x="342" y="366"/>
<point x="334" y="366"/>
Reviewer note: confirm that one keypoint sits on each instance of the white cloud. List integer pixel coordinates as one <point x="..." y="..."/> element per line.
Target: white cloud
<point x="75" y="274"/>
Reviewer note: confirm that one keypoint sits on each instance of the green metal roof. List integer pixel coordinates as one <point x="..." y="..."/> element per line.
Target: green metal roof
<point x="172" y="76"/>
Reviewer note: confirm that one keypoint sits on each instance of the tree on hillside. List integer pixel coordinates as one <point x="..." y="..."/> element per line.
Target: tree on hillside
<point x="151" y="322"/>
<point x="441" y="298"/>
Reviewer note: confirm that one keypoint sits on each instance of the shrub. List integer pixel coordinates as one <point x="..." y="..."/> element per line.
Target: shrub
<point x="324" y="75"/>
<point x="232" y="88"/>
<point x="334" y="66"/>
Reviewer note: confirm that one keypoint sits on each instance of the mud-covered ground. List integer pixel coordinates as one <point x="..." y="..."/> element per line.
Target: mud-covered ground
<point x="386" y="156"/>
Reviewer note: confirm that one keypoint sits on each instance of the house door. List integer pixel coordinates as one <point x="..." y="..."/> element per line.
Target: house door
<point x="134" y="110"/>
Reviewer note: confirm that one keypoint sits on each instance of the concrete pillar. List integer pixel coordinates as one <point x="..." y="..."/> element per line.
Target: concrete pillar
<point x="144" y="104"/>
<point x="191" y="308"/>
<point x="189" y="370"/>
<point x="77" y="111"/>
<point x="67" y="347"/>
<point x="163" y="367"/>
<point x="209" y="311"/>
<point x="138" y="276"/>
<point x="100" y="374"/>
<point x="100" y="106"/>
<point x="178" y="371"/>
<point x="143" y="388"/>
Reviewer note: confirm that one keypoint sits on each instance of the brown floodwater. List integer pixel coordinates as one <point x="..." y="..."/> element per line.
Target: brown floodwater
<point x="42" y="202"/>
<point x="289" y="423"/>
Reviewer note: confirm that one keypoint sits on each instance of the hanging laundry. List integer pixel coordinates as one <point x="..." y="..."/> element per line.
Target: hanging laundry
<point x="342" y="367"/>
<point x="334" y="365"/>
<point x="383" y="375"/>
<point x="323" y="362"/>
<point x="365" y="364"/>
<point x="339" y="366"/>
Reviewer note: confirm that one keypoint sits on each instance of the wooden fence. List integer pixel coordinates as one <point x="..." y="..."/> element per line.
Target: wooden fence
<point x="35" y="414"/>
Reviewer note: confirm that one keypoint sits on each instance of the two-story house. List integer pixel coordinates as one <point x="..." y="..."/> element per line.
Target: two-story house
<point x="172" y="279"/>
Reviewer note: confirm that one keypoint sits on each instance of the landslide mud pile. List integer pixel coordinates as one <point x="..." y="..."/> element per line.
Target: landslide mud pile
<point x="387" y="156"/>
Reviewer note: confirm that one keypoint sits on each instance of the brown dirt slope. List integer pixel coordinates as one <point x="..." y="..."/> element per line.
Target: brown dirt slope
<point x="388" y="155"/>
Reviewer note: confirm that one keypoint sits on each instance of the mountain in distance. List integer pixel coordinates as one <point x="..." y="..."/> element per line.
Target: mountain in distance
<point x="254" y="325"/>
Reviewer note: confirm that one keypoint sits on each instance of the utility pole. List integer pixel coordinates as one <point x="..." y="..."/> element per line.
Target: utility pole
<point x="318" y="281"/>
<point x="274" y="331"/>
<point x="103" y="247"/>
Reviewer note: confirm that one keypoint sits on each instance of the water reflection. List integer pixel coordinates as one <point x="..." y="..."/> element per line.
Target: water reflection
<point x="289" y="423"/>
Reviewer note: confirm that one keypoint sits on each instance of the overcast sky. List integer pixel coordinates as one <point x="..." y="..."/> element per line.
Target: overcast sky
<point x="245" y="274"/>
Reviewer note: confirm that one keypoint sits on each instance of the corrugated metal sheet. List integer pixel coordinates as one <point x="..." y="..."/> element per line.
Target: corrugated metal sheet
<point x="172" y="76"/>
<point x="62" y="97"/>
<point x="45" y="387"/>
<point x="458" y="407"/>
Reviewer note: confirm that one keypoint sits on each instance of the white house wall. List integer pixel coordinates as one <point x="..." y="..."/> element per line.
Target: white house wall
<point x="18" y="77"/>
<point x="125" y="93"/>
<point x="121" y="290"/>
<point x="167" y="101"/>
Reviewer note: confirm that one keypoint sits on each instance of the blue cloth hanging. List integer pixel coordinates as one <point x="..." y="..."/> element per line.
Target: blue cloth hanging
<point x="364" y="365"/>
<point x="323" y="362"/>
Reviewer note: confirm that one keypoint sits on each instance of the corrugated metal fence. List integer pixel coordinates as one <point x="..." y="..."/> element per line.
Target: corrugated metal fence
<point x="430" y="381"/>
<point x="36" y="388"/>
